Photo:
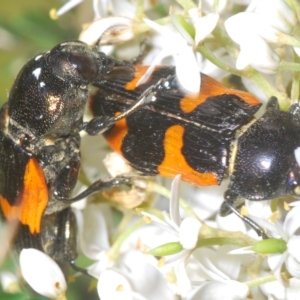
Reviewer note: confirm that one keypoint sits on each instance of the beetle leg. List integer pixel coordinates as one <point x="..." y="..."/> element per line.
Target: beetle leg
<point x="67" y="178"/>
<point x="79" y="269"/>
<point x="232" y="205"/>
<point x="59" y="235"/>
<point x="100" y="124"/>
<point x="96" y="187"/>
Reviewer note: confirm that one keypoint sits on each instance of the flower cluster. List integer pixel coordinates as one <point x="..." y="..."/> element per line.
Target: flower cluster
<point x="201" y="255"/>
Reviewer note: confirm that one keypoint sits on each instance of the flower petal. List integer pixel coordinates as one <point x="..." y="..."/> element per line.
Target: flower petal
<point x="257" y="53"/>
<point x="293" y="291"/>
<point x="292" y="222"/>
<point x="204" y="26"/>
<point x="206" y="264"/>
<point x="187" y="70"/>
<point x="185" y="34"/>
<point x="42" y="273"/>
<point x="297" y="50"/>
<point x="174" y="200"/>
<point x="293" y="266"/>
<point x="275" y="263"/>
<point x="188" y="233"/>
<point x="113" y="285"/>
<point x="276" y="13"/>
<point x="146" y="278"/>
<point x="246" y="24"/>
<point x="9" y="282"/>
<point x="221" y="290"/>
<point x="94" y="230"/>
<point x="110" y="30"/>
<point x="229" y="264"/>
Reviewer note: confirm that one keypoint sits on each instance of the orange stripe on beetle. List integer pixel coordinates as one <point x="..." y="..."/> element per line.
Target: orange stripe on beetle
<point x="174" y="162"/>
<point x="116" y="134"/>
<point x="32" y="200"/>
<point x="139" y="72"/>
<point x="211" y="88"/>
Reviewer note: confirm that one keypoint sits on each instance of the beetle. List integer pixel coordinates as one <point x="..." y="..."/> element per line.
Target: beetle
<point x="152" y="125"/>
<point x="40" y="146"/>
<point x="203" y="137"/>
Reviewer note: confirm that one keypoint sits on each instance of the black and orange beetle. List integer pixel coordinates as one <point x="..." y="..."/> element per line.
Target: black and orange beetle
<point x="203" y="137"/>
<point x="158" y="128"/>
<point x="39" y="146"/>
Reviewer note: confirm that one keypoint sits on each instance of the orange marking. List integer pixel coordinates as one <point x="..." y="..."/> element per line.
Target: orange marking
<point x="209" y="88"/>
<point x="32" y="200"/>
<point x="116" y="135"/>
<point x="174" y="162"/>
<point x="139" y="72"/>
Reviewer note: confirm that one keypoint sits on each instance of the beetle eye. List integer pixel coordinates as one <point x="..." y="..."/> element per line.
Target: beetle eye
<point x="85" y="65"/>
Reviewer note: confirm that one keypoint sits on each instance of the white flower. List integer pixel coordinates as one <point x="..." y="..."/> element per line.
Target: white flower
<point x="180" y="45"/>
<point x="254" y="50"/>
<point x="204" y="26"/>
<point x="113" y="285"/>
<point x="173" y="44"/>
<point x="136" y="274"/>
<point x="221" y="272"/>
<point x="42" y="273"/>
<point x="188" y="233"/>
<point x="133" y="276"/>
<point x="293" y="291"/>
<point x="218" y="290"/>
<point x="265" y="21"/>
<point x="110" y="30"/>
<point x="94" y="225"/>
<point x="273" y="290"/>
<point x="128" y="273"/>
<point x="185" y="231"/>
<point x="276" y="13"/>
<point x="243" y="26"/>
<point x="287" y="231"/>
<point x="9" y="282"/>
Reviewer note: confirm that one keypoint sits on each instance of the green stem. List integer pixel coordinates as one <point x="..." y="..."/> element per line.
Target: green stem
<point x="295" y="84"/>
<point x="220" y="241"/>
<point x="260" y="281"/>
<point x="123" y="224"/>
<point x="113" y="252"/>
<point x="287" y="39"/>
<point x="294" y="4"/>
<point x="214" y="236"/>
<point x="289" y="66"/>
